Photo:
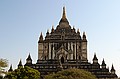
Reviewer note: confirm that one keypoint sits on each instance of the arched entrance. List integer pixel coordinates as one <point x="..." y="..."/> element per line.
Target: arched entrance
<point x="62" y="59"/>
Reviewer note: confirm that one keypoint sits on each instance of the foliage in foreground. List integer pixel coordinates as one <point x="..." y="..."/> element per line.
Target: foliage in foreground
<point x="3" y="65"/>
<point x="23" y="73"/>
<point x="71" y="74"/>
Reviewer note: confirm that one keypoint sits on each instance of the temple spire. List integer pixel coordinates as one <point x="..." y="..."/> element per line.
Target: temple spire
<point x="84" y="37"/>
<point x="95" y="57"/>
<point x="64" y="13"/>
<point x="29" y="59"/>
<point x="64" y="19"/>
<point x="52" y="29"/>
<point x="112" y="69"/>
<point x="41" y="38"/>
<point x="103" y="64"/>
<point x="20" y="64"/>
<point x="78" y="31"/>
<point x="11" y="69"/>
<point x="95" y="60"/>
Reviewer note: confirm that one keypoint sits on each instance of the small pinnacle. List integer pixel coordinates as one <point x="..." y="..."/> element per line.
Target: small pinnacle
<point x="78" y="30"/>
<point x="48" y="30"/>
<point x="52" y="26"/>
<point x="83" y="33"/>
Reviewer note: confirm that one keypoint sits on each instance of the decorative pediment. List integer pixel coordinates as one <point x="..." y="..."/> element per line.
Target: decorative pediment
<point x="62" y="52"/>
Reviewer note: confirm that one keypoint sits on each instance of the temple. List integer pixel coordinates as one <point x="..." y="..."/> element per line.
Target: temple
<point x="65" y="47"/>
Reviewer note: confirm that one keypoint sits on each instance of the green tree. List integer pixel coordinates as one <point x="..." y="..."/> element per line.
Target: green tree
<point x="23" y="73"/>
<point x="3" y="65"/>
<point x="71" y="74"/>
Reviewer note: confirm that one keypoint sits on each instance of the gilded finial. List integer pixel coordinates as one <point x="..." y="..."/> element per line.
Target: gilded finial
<point x="64" y="13"/>
<point x="64" y="19"/>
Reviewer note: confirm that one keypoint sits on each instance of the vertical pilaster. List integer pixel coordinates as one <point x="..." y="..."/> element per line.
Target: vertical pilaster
<point x="84" y="47"/>
<point x="40" y="51"/>
<point x="49" y="50"/>
<point x="53" y="52"/>
<point x="73" y="51"/>
<point x="68" y="46"/>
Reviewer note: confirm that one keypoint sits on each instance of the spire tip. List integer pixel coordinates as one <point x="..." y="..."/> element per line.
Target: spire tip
<point x="64" y="13"/>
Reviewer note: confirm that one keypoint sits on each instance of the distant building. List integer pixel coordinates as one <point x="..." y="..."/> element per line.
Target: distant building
<point x="64" y="48"/>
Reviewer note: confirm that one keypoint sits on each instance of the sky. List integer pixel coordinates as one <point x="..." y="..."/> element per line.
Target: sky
<point x="22" y="21"/>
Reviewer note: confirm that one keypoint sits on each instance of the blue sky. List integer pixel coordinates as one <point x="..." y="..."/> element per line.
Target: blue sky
<point x="22" y="21"/>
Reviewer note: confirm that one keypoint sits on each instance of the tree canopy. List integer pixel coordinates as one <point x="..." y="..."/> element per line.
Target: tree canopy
<point x="71" y="74"/>
<point x="3" y="64"/>
<point x="24" y="73"/>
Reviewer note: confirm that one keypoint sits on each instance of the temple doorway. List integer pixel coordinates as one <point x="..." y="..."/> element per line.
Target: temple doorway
<point x="62" y="59"/>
